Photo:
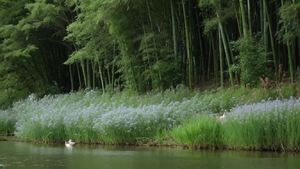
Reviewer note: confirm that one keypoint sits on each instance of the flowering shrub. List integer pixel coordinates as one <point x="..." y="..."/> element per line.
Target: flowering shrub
<point x="89" y="117"/>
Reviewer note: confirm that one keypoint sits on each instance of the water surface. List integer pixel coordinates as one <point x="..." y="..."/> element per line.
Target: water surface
<point x="28" y="156"/>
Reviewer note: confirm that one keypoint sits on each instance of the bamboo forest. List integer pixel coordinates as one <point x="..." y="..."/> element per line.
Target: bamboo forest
<point x="196" y="74"/>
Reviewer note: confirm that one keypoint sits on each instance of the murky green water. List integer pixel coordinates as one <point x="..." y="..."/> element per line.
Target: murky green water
<point x="28" y="156"/>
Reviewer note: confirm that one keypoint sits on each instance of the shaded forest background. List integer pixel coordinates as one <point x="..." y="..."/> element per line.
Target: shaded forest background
<point x="53" y="46"/>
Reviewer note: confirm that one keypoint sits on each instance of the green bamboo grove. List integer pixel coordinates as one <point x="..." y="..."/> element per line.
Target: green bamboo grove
<point x="49" y="46"/>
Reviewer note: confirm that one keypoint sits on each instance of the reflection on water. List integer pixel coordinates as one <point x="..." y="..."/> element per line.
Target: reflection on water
<point x="28" y="156"/>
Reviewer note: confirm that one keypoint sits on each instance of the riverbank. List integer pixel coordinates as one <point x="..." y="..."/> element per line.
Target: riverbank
<point x="174" y="117"/>
<point x="10" y="138"/>
<point x="269" y="125"/>
<point x="3" y="139"/>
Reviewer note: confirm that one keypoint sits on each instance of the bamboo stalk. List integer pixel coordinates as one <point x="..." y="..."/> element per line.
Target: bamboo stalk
<point x="71" y="77"/>
<point x="245" y="25"/>
<point x="223" y="37"/>
<point x="83" y="73"/>
<point x="221" y="59"/>
<point x="101" y="77"/>
<point x="187" y="41"/>
<point x="173" y="28"/>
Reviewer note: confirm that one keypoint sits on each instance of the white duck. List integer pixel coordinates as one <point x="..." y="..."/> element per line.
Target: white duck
<point x="69" y="144"/>
<point x="221" y="118"/>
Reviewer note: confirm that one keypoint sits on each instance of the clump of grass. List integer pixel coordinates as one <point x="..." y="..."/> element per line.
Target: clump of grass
<point x="204" y="132"/>
<point x="272" y="125"/>
<point x="270" y="132"/>
<point x="7" y="123"/>
<point x="288" y="90"/>
<point x="269" y="125"/>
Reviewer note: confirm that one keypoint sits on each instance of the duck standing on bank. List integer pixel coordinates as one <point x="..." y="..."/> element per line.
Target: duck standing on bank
<point x="222" y="118"/>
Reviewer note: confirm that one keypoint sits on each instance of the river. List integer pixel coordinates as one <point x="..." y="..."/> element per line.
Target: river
<point x="14" y="155"/>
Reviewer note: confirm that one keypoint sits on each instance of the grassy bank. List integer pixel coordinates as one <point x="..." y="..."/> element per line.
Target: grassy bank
<point x="123" y="118"/>
<point x="268" y="125"/>
<point x="3" y="139"/>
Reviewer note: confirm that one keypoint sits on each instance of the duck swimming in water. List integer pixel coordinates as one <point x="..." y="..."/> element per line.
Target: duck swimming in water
<point x="69" y="144"/>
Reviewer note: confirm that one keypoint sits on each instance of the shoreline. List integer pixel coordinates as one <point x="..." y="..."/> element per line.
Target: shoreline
<point x="221" y="148"/>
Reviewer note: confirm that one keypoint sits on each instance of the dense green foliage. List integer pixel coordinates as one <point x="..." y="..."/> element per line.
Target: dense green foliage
<point x="31" y="48"/>
<point x="121" y="118"/>
<point x="49" y="46"/>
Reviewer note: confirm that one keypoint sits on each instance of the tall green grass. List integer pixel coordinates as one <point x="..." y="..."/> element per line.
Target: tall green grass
<point x="7" y="123"/>
<point x="203" y="132"/>
<point x="266" y="132"/>
<point x="271" y="125"/>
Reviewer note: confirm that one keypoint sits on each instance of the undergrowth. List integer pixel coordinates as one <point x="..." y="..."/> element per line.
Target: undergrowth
<point x="125" y="118"/>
